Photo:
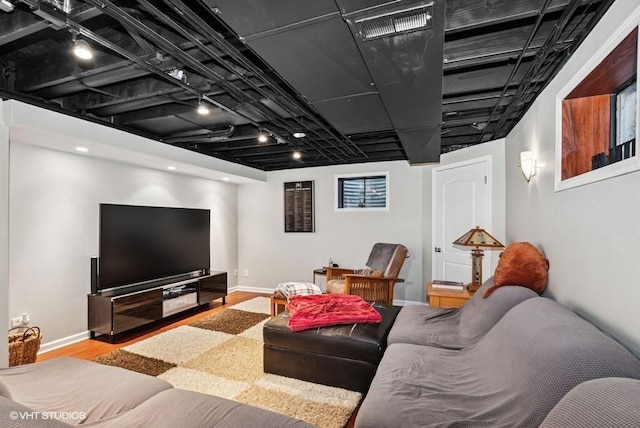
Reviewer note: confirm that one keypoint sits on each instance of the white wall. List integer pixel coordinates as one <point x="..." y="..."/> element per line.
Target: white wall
<point x="4" y="238"/>
<point x="590" y="233"/>
<point x="273" y="256"/>
<point x="54" y="200"/>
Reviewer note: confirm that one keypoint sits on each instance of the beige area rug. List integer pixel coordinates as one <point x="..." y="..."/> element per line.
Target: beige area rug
<point x="222" y="355"/>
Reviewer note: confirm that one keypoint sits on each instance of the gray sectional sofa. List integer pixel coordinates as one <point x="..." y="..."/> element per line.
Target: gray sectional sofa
<point x="454" y="368"/>
<point x="457" y="328"/>
<point x="67" y="392"/>
<point x="511" y="360"/>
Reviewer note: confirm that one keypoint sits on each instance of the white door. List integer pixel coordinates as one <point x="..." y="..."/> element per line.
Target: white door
<point x="461" y="201"/>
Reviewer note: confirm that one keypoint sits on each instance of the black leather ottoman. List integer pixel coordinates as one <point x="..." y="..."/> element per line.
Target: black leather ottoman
<point x="345" y="356"/>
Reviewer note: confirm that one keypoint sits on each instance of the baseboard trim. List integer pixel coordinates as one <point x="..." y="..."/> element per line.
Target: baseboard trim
<point x="397" y="302"/>
<point x="253" y="289"/>
<point x="59" y="343"/>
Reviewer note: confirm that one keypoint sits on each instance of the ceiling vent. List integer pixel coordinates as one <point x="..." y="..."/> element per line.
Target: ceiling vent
<point x="395" y="22"/>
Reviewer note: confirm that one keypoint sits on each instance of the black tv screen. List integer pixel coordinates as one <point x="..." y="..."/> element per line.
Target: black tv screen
<point x="139" y="244"/>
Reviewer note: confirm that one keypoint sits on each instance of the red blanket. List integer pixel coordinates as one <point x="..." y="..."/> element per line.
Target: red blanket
<point x="322" y="310"/>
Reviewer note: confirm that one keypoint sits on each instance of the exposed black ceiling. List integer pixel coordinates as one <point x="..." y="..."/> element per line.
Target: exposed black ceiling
<point x="465" y="76"/>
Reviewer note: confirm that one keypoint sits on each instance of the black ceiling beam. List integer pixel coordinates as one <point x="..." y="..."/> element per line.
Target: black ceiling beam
<point x="227" y="48"/>
<point x="290" y="95"/>
<point x="521" y="98"/>
<point x="16" y="26"/>
<point x="519" y="61"/>
<point x="132" y="89"/>
<point x="497" y="46"/>
<point x="240" y="95"/>
<point x="463" y="15"/>
<point x="119" y="15"/>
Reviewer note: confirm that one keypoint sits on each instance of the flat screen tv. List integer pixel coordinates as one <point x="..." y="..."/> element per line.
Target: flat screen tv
<point x="140" y="244"/>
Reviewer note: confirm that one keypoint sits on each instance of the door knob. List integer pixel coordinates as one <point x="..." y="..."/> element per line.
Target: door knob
<point x="437" y="249"/>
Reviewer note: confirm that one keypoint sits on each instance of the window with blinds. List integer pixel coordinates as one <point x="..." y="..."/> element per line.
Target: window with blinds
<point x="362" y="192"/>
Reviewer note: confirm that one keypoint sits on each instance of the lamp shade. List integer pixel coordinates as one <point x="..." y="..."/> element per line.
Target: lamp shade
<point x="477" y="238"/>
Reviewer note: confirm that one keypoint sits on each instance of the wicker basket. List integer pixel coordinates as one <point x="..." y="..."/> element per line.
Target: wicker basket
<point x="24" y="346"/>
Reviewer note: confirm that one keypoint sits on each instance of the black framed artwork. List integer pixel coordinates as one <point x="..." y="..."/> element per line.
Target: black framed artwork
<point x="299" y="206"/>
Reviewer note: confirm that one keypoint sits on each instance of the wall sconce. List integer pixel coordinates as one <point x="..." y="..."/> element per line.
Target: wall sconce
<point x="527" y="164"/>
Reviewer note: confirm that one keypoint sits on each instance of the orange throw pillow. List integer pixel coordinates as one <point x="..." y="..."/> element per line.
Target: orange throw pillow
<point x="522" y="264"/>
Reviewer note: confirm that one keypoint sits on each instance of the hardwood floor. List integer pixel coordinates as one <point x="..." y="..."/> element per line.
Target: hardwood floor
<point x="91" y="349"/>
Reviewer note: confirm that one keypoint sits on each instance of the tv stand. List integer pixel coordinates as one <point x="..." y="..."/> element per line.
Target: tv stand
<point x="117" y="311"/>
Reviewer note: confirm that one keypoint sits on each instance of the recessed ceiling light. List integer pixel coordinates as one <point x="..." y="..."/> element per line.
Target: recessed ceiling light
<point x="225" y="178"/>
<point x="82" y="149"/>
<point x="171" y="168"/>
<point x="297" y="154"/>
<point x="299" y="134"/>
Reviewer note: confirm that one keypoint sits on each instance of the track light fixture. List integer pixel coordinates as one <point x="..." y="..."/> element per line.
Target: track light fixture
<point x="178" y="74"/>
<point x="202" y="107"/>
<point x="262" y="137"/>
<point x="6" y="6"/>
<point x="81" y="48"/>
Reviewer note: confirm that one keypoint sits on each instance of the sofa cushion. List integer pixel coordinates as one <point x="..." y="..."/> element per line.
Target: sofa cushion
<point x="186" y="409"/>
<point x="73" y="385"/>
<point x="15" y="415"/>
<point x="456" y="328"/>
<point x="608" y="402"/>
<point x="513" y="376"/>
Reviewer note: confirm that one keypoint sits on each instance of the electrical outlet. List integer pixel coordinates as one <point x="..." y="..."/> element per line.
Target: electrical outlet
<point x="235" y="272"/>
<point x="16" y="322"/>
<point x="246" y="272"/>
<point x="21" y="321"/>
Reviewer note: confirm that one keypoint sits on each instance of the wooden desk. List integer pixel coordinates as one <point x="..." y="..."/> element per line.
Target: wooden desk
<point x="446" y="298"/>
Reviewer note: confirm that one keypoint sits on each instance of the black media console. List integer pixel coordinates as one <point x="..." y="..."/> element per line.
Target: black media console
<point x="116" y="311"/>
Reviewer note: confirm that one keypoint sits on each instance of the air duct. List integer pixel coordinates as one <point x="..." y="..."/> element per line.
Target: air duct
<point x="393" y="22"/>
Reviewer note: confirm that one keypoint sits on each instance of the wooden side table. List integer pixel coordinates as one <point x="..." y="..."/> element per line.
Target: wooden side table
<point x="446" y="298"/>
<point x="277" y="305"/>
